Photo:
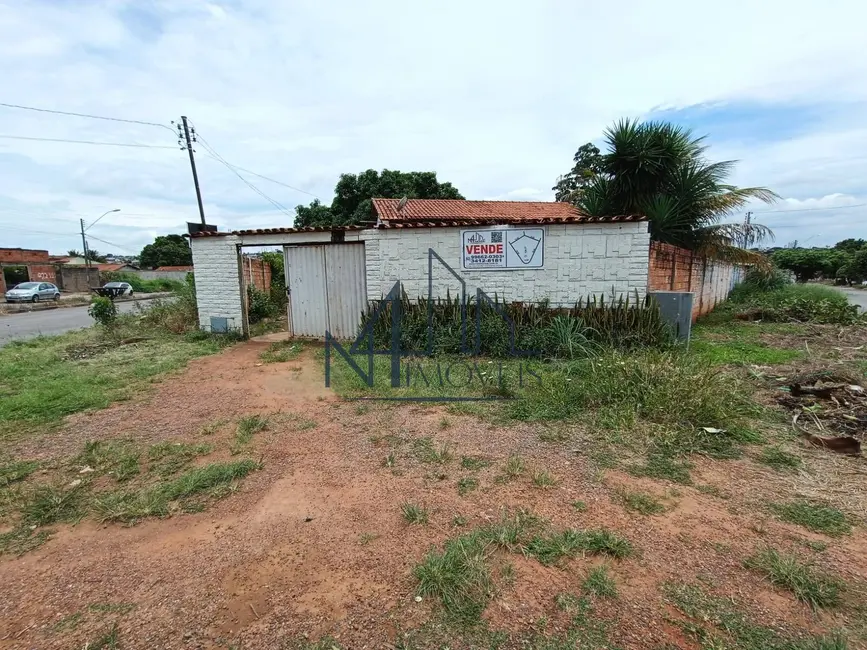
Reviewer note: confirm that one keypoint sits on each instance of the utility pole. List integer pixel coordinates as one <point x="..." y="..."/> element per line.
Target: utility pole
<point x="86" y="255"/>
<point x="185" y="136"/>
<point x="747" y="220"/>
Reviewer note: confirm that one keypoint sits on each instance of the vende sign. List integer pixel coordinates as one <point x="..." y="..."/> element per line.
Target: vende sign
<point x="510" y="249"/>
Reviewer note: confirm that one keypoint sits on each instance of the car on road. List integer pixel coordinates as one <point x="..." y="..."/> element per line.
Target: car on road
<point x="33" y="292"/>
<point x="121" y="288"/>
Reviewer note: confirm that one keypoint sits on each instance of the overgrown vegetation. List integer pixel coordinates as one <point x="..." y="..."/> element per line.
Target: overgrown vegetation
<point x="102" y="310"/>
<point x="143" y="286"/>
<point x="772" y="298"/>
<point x="787" y="571"/>
<point x="547" y="332"/>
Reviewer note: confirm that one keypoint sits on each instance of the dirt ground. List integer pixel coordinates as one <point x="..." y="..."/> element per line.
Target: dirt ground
<point x="314" y="543"/>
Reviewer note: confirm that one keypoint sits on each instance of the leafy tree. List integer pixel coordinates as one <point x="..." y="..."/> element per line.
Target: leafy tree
<point x="810" y="263"/>
<point x="167" y="250"/>
<point x="314" y="214"/>
<point x="588" y="165"/>
<point x="851" y="245"/>
<point x="659" y="170"/>
<point x="353" y="193"/>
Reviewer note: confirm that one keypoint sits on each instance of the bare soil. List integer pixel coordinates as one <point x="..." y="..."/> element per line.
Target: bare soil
<point x="314" y="544"/>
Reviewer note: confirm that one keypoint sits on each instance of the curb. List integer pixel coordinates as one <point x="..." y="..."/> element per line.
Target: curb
<point x="48" y="307"/>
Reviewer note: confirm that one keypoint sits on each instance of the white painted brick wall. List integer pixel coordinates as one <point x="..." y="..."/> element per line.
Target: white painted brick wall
<point x="218" y="288"/>
<point x="580" y="260"/>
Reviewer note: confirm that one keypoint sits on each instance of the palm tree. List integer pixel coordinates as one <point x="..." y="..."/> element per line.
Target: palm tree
<point x="659" y="170"/>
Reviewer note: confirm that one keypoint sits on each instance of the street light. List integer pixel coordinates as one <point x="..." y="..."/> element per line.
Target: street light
<point x="101" y="216"/>
<point x="84" y="241"/>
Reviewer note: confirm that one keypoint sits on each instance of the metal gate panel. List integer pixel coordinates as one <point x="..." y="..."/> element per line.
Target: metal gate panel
<point x="346" y="284"/>
<point x="308" y="302"/>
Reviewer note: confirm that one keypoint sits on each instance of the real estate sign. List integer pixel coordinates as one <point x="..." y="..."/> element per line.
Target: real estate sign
<point x="502" y="249"/>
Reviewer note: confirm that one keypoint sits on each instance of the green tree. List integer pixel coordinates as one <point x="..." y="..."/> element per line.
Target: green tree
<point x="588" y="165"/>
<point x="851" y="245"/>
<point x="659" y="170"/>
<point x="314" y="214"/>
<point x="167" y="250"/>
<point x="810" y="263"/>
<point x="353" y="193"/>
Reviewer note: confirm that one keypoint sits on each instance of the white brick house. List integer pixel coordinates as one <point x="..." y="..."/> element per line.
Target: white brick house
<point x="517" y="251"/>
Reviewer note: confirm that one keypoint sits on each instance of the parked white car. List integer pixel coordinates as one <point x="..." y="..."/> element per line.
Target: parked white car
<point x="33" y="292"/>
<point x="125" y="286"/>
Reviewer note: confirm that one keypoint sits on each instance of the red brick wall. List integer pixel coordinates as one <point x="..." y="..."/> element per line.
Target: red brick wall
<point x="677" y="269"/>
<point x="257" y="273"/>
<point x="22" y="256"/>
<point x="43" y="272"/>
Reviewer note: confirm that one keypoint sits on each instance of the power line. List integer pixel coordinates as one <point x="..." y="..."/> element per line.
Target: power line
<point x="93" y="117"/>
<point x="123" y="248"/>
<point x="249" y="171"/>
<point x="218" y="157"/>
<point x="840" y="207"/>
<point x="107" y="144"/>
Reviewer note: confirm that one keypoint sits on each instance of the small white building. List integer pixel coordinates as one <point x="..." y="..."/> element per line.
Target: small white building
<point x="511" y="250"/>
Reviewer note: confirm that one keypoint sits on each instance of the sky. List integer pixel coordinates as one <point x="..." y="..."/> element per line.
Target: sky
<point x="494" y="96"/>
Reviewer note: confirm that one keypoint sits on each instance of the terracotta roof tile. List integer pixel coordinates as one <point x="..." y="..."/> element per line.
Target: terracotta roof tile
<point x="428" y="213"/>
<point x="174" y="268"/>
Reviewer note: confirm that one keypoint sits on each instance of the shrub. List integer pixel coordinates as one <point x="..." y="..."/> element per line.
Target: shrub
<point x="259" y="305"/>
<point x="103" y="311"/>
<point x="813" y="303"/>
<point x="572" y="332"/>
<point x="177" y="315"/>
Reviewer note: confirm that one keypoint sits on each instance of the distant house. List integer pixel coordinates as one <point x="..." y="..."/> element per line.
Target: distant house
<point x="115" y="267"/>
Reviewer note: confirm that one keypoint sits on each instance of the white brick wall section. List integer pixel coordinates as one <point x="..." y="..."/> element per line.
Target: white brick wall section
<point x="607" y="260"/>
<point x="218" y="288"/>
<point x="580" y="261"/>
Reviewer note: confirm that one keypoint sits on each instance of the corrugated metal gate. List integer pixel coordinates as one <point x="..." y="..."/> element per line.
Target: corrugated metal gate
<point x="327" y="289"/>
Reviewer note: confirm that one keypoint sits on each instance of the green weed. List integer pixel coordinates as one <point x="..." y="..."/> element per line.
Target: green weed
<point x="641" y="502"/>
<point x="815" y="589"/>
<point x="579" y="506"/>
<point x="731" y="624"/>
<point x="414" y="514"/>
<point x="599" y="583"/>
<point x="544" y="479"/>
<point x="467" y="485"/>
<point x="664" y="467"/>
<point x="425" y="451"/>
<point x="779" y="459"/>
<point x="474" y="462"/>
<point x="552" y="548"/>
<point x="155" y="501"/>
<point x="514" y="467"/>
<point x="50" y="504"/>
<point x="16" y="471"/>
<point x="816" y="517"/>
<point x="166" y="458"/>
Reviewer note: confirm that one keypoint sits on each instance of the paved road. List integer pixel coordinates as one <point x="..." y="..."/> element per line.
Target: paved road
<point x="856" y="296"/>
<point x="51" y="321"/>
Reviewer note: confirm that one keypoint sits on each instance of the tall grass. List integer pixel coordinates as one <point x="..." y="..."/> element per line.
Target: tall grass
<point x="140" y="285"/>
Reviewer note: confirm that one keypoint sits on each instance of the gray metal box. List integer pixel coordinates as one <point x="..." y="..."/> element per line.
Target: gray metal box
<point x="219" y="324"/>
<point x="675" y="307"/>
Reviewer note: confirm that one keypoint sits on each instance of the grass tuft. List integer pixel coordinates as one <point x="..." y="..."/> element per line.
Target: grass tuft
<point x="816" y="517"/>
<point x="599" y="583"/>
<point x="779" y="459"/>
<point x="474" y="462"/>
<point x="425" y="451"/>
<point x="414" y="514"/>
<point x="155" y="501"/>
<point x="544" y="479"/>
<point x="641" y="502"/>
<point x="815" y="589"/>
<point x="514" y="467"/>
<point x="467" y="485"/>
<point x="554" y="547"/>
<point x="16" y="471"/>
<point x="664" y="467"/>
<point x="50" y="504"/>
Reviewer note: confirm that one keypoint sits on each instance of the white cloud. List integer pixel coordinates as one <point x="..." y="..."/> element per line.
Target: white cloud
<point x="492" y="96"/>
